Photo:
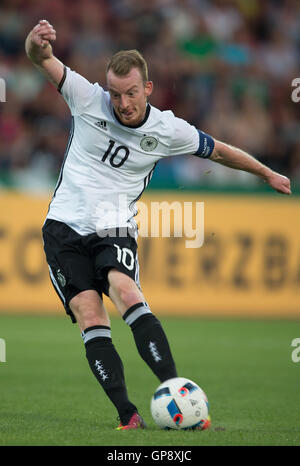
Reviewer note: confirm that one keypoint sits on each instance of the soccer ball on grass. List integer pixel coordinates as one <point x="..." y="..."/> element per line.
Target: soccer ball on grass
<point x="179" y="403"/>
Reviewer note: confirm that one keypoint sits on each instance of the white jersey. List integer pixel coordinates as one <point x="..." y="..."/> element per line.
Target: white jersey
<point x="108" y="165"/>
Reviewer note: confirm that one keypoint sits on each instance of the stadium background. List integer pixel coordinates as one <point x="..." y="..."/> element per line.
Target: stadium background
<point x="227" y="68"/>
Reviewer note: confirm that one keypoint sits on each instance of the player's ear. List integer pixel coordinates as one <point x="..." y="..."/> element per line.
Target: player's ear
<point x="148" y="88"/>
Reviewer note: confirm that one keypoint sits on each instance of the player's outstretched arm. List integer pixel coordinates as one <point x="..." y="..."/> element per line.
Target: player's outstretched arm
<point x="236" y="158"/>
<point x="39" y="51"/>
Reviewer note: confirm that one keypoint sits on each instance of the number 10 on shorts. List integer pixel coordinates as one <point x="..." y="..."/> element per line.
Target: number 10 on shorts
<point x="125" y="256"/>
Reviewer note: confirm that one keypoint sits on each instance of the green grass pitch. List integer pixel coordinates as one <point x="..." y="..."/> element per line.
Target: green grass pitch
<point x="50" y="397"/>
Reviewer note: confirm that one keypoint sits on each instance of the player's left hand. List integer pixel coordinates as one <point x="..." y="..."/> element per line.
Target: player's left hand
<point x="279" y="182"/>
<point x="43" y="33"/>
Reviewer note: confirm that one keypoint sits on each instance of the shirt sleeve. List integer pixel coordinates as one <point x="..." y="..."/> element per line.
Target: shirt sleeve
<point x="77" y="91"/>
<point x="187" y="140"/>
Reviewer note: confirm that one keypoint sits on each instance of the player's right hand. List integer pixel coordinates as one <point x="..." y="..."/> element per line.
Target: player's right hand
<point x="279" y="182"/>
<point x="43" y="33"/>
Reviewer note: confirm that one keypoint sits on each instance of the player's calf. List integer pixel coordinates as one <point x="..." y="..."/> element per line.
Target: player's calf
<point x="151" y="341"/>
<point x="108" y="369"/>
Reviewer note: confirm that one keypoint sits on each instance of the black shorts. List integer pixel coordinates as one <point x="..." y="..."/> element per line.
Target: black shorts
<point x="78" y="263"/>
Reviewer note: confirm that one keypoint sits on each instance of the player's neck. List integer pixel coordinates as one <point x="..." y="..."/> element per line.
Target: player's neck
<point x="142" y="121"/>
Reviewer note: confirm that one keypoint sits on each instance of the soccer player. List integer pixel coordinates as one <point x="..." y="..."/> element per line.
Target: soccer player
<point x="89" y="233"/>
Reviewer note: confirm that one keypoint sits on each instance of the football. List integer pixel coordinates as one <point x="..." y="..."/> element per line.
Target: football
<point x="179" y="403"/>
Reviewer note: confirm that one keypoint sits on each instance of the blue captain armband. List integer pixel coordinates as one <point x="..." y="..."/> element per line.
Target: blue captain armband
<point x="206" y="145"/>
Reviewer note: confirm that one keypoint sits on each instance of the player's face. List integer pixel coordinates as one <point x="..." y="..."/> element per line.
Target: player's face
<point x="129" y="96"/>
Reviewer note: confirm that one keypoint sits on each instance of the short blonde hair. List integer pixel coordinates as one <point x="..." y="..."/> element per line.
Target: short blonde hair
<point x="122" y="63"/>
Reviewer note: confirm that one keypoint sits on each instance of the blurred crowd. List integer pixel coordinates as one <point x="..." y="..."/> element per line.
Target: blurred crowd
<point x="225" y="66"/>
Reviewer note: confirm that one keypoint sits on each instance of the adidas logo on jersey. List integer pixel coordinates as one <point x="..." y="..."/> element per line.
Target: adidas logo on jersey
<point x="101" y="124"/>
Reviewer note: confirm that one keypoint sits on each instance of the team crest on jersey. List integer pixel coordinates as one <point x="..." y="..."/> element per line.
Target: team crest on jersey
<point x="148" y="143"/>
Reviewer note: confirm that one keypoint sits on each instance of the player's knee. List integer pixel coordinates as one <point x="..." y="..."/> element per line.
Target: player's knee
<point x="82" y="300"/>
<point x="128" y="296"/>
<point x="124" y="290"/>
<point x="88" y="309"/>
<point x="90" y="318"/>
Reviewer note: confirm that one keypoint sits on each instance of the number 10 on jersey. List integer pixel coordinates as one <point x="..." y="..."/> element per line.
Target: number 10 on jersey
<point x="122" y="151"/>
